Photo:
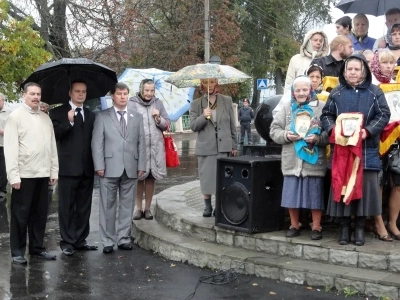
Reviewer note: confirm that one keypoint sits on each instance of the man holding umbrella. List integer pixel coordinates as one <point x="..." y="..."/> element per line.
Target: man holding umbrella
<point x="73" y="126"/>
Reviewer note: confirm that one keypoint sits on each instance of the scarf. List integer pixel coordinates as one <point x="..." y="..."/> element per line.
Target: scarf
<point x="376" y="70"/>
<point x="347" y="170"/>
<point x="389" y="38"/>
<point x="305" y="151"/>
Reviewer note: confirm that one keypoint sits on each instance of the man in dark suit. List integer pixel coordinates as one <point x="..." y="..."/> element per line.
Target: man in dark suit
<point x="119" y="153"/>
<point x="73" y="126"/>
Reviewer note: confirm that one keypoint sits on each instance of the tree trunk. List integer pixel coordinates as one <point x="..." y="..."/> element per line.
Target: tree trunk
<point x="278" y="81"/>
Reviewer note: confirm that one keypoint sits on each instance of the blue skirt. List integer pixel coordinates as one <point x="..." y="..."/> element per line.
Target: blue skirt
<point x="303" y="192"/>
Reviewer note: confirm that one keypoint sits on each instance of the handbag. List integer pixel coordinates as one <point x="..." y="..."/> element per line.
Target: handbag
<point x="171" y="152"/>
<point x="394" y="160"/>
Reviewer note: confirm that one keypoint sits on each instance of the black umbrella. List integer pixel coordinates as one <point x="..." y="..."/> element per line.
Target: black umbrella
<point x="55" y="78"/>
<point x="369" y="7"/>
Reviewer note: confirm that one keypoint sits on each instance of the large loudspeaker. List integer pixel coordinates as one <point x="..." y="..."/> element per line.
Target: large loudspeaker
<point x="249" y="193"/>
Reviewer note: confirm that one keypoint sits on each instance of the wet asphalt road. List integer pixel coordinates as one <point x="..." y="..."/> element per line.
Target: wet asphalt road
<point x="136" y="274"/>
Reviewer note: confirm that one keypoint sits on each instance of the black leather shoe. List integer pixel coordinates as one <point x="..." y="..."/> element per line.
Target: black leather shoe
<point x="68" y="251"/>
<point x="43" y="255"/>
<point x="292" y="232"/>
<point x="19" y="260"/>
<point x="108" y="250"/>
<point x="127" y="246"/>
<point x="87" y="248"/>
<point x="316" y="235"/>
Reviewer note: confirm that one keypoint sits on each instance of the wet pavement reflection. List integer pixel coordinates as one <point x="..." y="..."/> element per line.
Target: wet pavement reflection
<point x="135" y="274"/>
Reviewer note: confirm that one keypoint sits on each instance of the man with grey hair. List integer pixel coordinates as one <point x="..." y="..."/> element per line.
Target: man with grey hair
<point x="4" y="113"/>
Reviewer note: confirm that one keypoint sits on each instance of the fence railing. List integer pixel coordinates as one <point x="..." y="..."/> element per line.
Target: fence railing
<point x="185" y="123"/>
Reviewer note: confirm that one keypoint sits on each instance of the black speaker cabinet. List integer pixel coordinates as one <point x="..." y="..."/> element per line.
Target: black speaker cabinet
<point x="249" y="193"/>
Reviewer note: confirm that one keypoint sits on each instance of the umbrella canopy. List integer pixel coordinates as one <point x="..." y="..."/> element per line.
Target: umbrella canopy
<point x="369" y="7"/>
<point x="55" y="78"/>
<point x="176" y="101"/>
<point x="191" y="75"/>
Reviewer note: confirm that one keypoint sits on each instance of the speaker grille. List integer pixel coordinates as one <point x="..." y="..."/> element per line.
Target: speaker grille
<point x="235" y="203"/>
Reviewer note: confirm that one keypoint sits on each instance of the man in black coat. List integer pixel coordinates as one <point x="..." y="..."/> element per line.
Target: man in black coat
<point x="73" y="126"/>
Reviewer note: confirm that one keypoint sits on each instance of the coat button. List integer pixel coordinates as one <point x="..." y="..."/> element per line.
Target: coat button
<point x="219" y="139"/>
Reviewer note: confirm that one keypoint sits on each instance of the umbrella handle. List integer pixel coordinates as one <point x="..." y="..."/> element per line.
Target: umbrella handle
<point x="208" y="96"/>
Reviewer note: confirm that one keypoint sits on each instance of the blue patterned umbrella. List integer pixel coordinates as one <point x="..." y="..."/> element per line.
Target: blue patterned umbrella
<point x="176" y="100"/>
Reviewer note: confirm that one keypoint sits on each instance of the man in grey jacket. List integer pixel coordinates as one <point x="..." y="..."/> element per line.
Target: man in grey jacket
<point x="246" y="114"/>
<point x="119" y="155"/>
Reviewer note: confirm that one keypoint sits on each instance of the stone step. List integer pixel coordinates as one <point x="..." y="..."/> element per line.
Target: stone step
<point x="176" y="209"/>
<point x="151" y="235"/>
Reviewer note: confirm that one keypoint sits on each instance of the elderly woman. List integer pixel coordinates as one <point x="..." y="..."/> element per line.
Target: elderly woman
<point x="303" y="155"/>
<point x="212" y="117"/>
<point x="156" y="121"/>
<point x="315" y="45"/>
<point x="355" y="159"/>
<point x="359" y="33"/>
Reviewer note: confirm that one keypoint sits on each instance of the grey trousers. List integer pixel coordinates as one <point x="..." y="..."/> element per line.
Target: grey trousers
<point x="115" y="226"/>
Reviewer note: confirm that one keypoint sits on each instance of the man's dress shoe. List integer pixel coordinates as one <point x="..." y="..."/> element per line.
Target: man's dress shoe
<point x="108" y="250"/>
<point x="87" y="248"/>
<point x="43" y="255"/>
<point x="20" y="260"/>
<point x="68" y="251"/>
<point x="127" y="246"/>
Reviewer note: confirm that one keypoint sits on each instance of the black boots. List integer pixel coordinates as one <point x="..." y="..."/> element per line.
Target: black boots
<point x="359" y="237"/>
<point x="345" y="231"/>
<point x="208" y="208"/>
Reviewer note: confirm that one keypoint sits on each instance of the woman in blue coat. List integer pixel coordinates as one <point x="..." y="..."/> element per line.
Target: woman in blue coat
<point x="356" y="94"/>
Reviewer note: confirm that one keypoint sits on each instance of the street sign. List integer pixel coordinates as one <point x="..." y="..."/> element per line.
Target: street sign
<point x="262" y="84"/>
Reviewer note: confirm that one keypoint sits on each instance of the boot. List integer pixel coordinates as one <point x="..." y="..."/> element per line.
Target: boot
<point x="208" y="208"/>
<point x="359" y="237"/>
<point x="345" y="231"/>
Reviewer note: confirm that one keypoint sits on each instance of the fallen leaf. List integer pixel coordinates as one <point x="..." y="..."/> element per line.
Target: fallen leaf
<point x="146" y="267"/>
<point x="272" y="293"/>
<point x="255" y="284"/>
<point x="309" y="288"/>
<point x="81" y="274"/>
<point x="173" y="265"/>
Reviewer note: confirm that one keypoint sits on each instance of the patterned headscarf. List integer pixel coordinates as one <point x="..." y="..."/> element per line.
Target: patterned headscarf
<point x="141" y="87"/>
<point x="389" y="37"/>
<point x="376" y="70"/>
<point x="364" y="72"/>
<point x="306" y="152"/>
<point x="205" y="90"/>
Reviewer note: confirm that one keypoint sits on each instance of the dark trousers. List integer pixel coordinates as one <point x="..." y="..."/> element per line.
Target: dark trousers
<point x="3" y="174"/>
<point x="245" y="127"/>
<point x="28" y="213"/>
<point x="74" y="206"/>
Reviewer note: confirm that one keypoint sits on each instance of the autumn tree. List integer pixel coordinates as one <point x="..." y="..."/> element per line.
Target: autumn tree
<point x="22" y="51"/>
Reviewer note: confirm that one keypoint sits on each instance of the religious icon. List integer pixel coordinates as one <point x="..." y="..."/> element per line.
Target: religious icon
<point x="349" y="126"/>
<point x="302" y="124"/>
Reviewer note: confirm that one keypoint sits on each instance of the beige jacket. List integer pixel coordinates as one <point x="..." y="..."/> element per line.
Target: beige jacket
<point x="300" y="62"/>
<point x="29" y="145"/>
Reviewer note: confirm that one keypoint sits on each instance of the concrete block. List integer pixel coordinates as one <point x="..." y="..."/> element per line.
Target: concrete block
<point x="345" y="258"/>
<point x="378" y="290"/>
<point x="394" y="262"/>
<point x="224" y="238"/>
<point x="292" y="276"/>
<point x="245" y="242"/>
<point x="341" y="284"/>
<point x="372" y="261"/>
<point x="291" y="250"/>
<point x="267" y="246"/>
<point x="320" y="280"/>
<point x="315" y="253"/>
<point x="267" y="272"/>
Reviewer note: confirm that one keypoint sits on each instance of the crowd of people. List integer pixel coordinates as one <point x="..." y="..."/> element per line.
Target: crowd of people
<point x="123" y="145"/>
<point x="347" y="126"/>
